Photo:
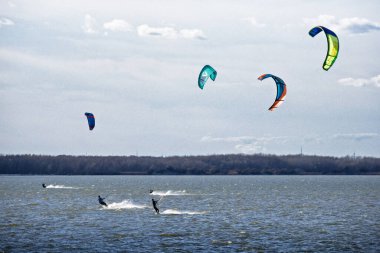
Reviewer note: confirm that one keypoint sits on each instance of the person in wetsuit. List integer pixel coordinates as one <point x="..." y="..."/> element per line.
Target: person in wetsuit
<point x="150" y="191"/>
<point x="154" y="202"/>
<point x="101" y="201"/>
<point x="43" y="185"/>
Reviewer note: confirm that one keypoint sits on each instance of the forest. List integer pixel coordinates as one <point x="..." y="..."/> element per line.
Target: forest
<point x="229" y="164"/>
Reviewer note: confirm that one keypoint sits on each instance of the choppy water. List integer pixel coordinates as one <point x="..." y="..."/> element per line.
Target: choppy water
<point x="198" y="214"/>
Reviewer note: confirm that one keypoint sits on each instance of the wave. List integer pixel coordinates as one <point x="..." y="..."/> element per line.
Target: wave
<point x="177" y="212"/>
<point x="125" y="204"/>
<point x="170" y="193"/>
<point x="52" y="186"/>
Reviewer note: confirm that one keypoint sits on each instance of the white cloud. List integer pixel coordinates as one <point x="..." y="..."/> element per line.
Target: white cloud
<point x="55" y="65"/>
<point x="92" y="68"/>
<point x="251" y="144"/>
<point x="169" y="32"/>
<point x="11" y="4"/>
<point x="353" y="25"/>
<point x="245" y="139"/>
<point x="360" y="82"/>
<point x="6" y="22"/>
<point x="253" y="22"/>
<point x="356" y="136"/>
<point x="118" y="25"/>
<point x="89" y="25"/>
<point x="192" y="34"/>
<point x="248" y="144"/>
<point x="324" y="20"/>
<point x="227" y="139"/>
<point x="250" y="148"/>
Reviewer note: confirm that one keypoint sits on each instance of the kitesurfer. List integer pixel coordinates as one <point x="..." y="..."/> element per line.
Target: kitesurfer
<point x="150" y="191"/>
<point x="101" y="201"/>
<point x="43" y="185"/>
<point x="154" y="202"/>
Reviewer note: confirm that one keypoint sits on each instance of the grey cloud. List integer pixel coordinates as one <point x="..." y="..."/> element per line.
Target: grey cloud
<point x="353" y="25"/>
<point x="358" y="25"/>
<point x="313" y="139"/>
<point x="6" y="22"/>
<point x="356" y="136"/>
<point x="170" y="32"/>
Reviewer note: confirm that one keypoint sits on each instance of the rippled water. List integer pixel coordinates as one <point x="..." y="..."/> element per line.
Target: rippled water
<point x="198" y="214"/>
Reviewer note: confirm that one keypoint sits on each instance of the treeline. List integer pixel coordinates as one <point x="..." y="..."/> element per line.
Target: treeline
<point x="258" y="164"/>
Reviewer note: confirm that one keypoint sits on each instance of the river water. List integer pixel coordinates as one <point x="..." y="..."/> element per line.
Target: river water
<point x="198" y="214"/>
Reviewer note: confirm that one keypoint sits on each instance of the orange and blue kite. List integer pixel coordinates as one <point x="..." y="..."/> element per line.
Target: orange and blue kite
<point x="281" y="90"/>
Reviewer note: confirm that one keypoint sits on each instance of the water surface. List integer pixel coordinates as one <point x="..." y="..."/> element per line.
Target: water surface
<point x="198" y="213"/>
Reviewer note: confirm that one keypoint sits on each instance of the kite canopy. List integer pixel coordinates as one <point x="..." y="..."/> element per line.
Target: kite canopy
<point x="281" y="90"/>
<point x="91" y="120"/>
<point x="332" y="43"/>
<point x="206" y="72"/>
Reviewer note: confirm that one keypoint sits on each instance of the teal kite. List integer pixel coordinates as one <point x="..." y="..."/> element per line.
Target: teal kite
<point x="206" y="73"/>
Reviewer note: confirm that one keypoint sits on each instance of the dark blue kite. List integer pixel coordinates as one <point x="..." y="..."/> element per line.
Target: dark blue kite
<point x="90" y="119"/>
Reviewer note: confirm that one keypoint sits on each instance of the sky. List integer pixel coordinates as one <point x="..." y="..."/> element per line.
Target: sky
<point x="135" y="65"/>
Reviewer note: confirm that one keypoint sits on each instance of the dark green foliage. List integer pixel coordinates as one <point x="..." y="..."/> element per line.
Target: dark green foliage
<point x="258" y="164"/>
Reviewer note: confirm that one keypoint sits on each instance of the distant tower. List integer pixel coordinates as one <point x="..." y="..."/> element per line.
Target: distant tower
<point x="301" y="151"/>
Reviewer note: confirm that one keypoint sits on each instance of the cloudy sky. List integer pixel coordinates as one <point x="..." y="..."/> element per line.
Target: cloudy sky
<point x="135" y="64"/>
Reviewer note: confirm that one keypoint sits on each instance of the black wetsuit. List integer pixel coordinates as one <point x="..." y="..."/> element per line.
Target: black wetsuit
<point x="43" y="185"/>
<point x="101" y="201"/>
<point x="154" y="202"/>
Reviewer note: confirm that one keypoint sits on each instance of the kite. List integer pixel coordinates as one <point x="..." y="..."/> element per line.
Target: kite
<point x="206" y="73"/>
<point x="332" y="43"/>
<point x="91" y="120"/>
<point x="281" y="90"/>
